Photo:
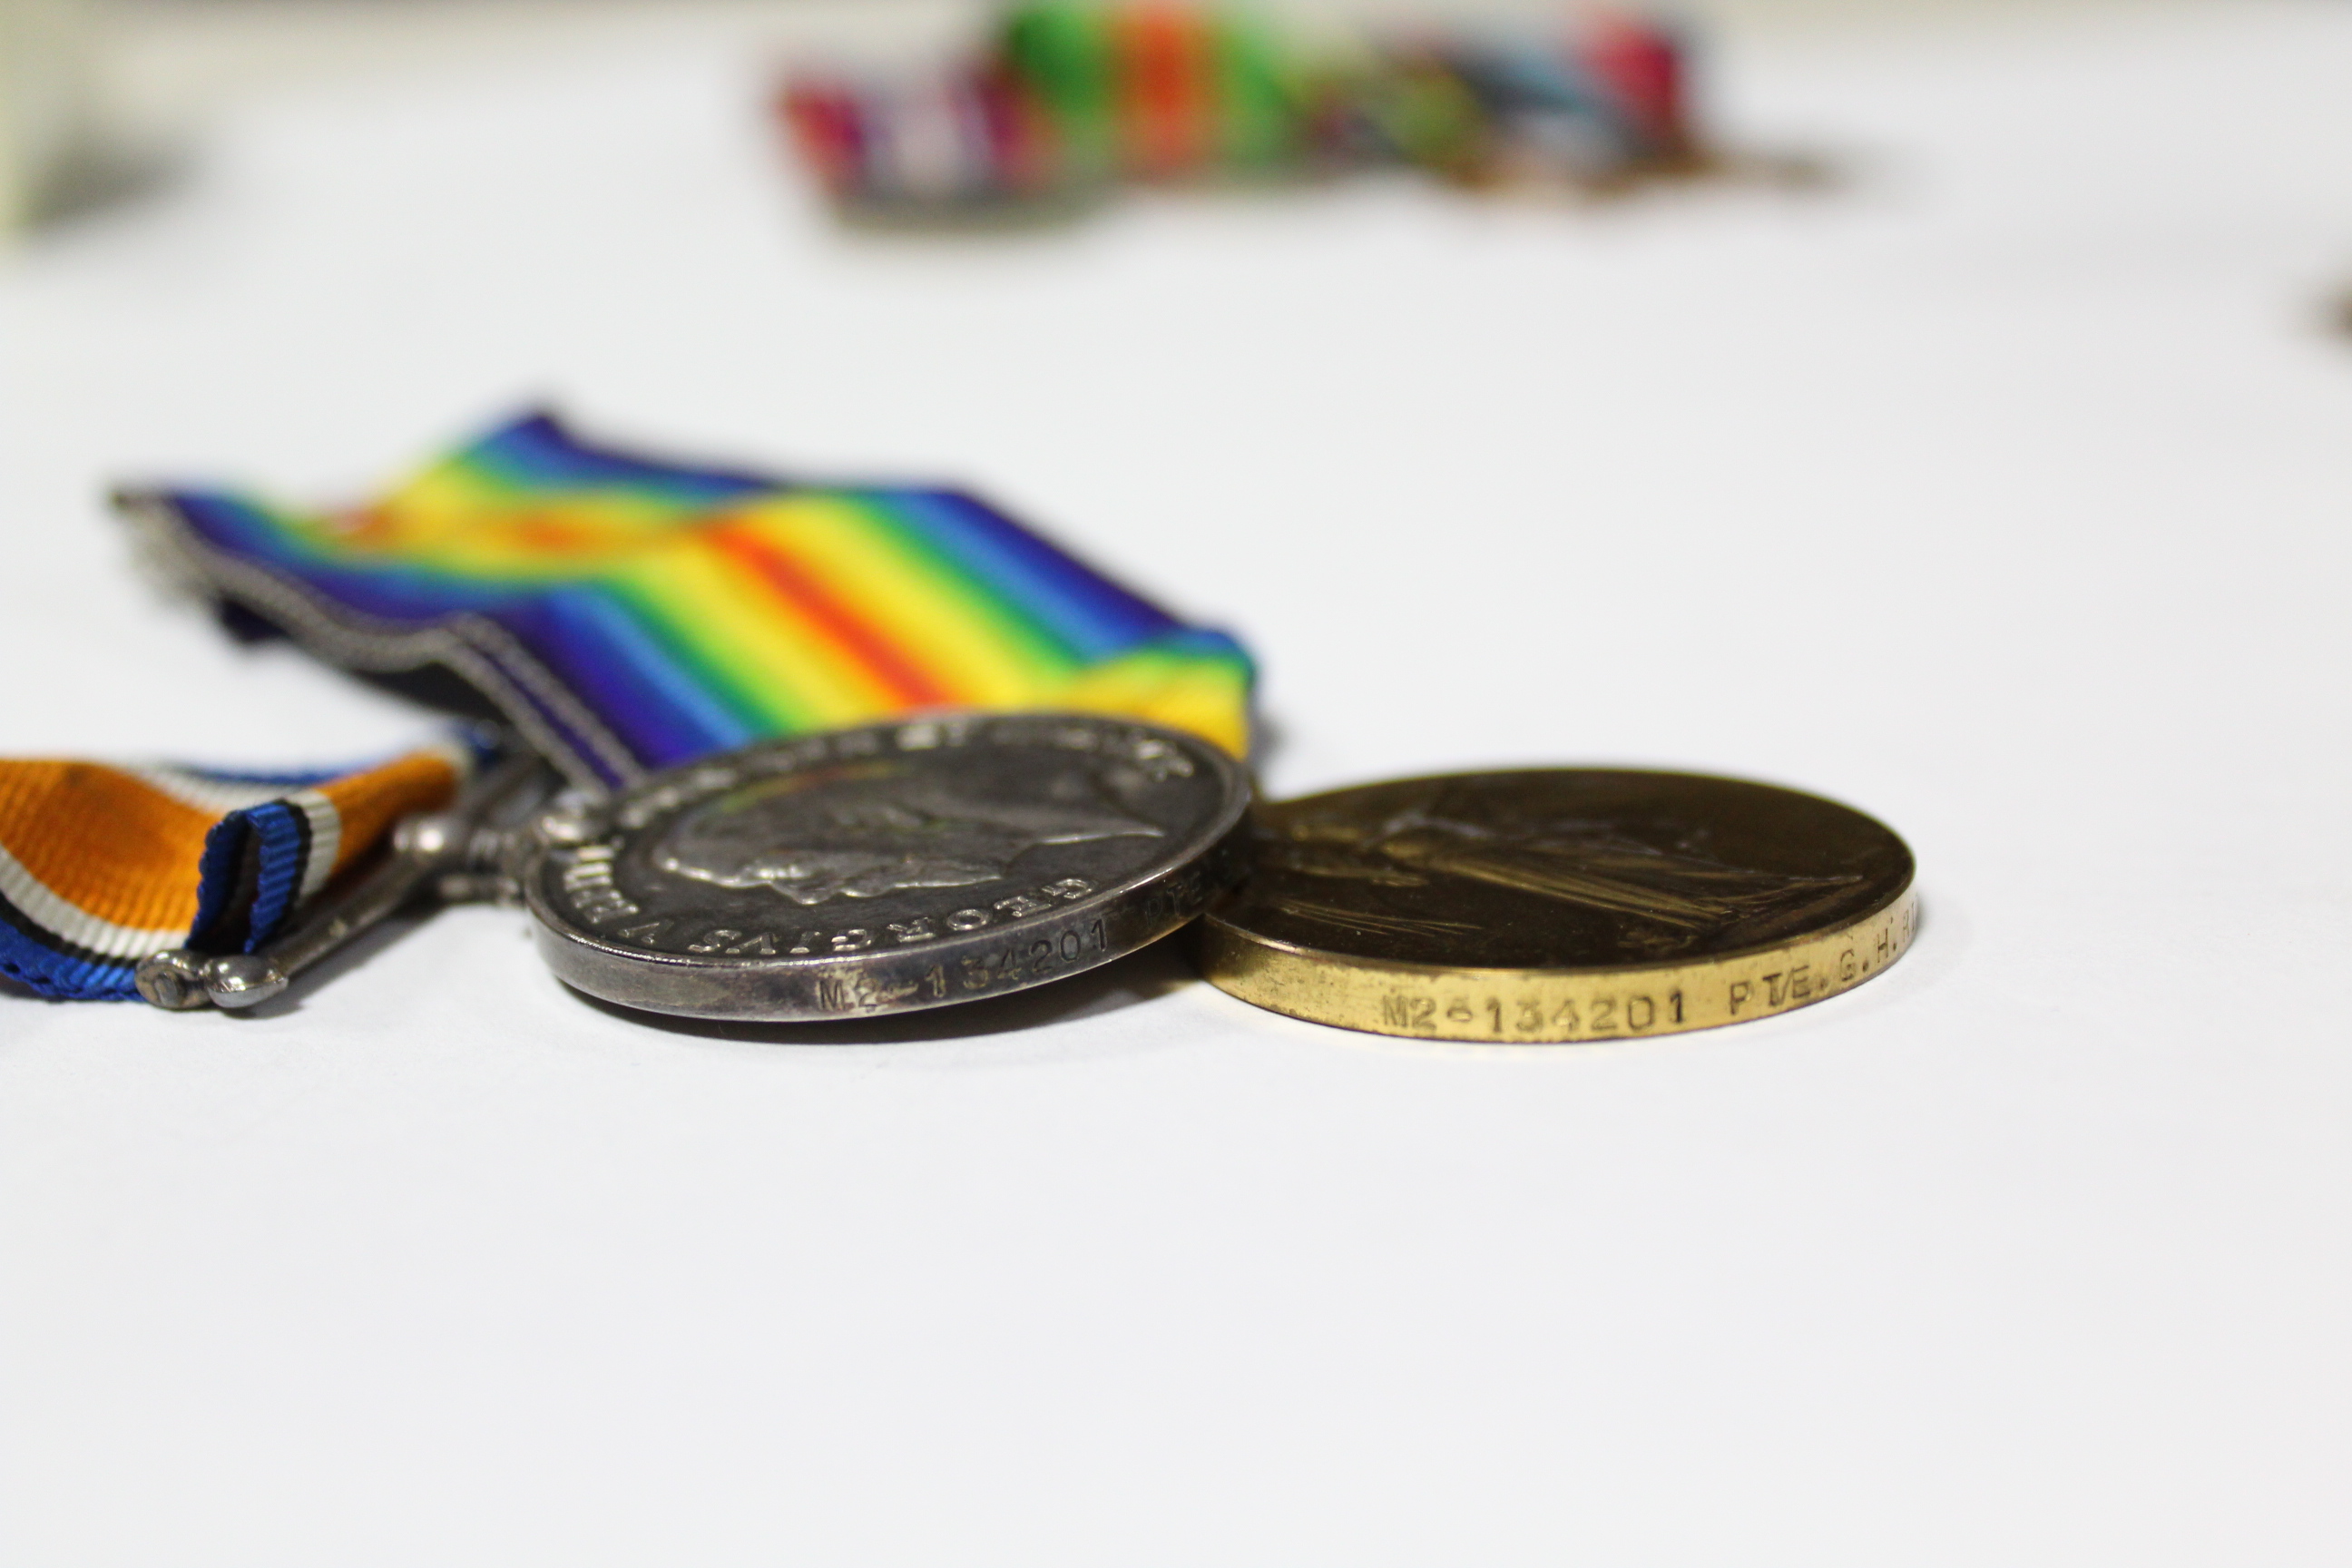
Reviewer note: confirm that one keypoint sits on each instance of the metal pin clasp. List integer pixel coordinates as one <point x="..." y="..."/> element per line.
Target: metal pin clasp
<point x="457" y="853"/>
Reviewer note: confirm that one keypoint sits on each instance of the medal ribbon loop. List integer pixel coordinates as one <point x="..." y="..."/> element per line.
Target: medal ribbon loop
<point x="100" y="866"/>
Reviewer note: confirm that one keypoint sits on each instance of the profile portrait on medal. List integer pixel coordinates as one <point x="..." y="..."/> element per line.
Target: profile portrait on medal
<point x="865" y="830"/>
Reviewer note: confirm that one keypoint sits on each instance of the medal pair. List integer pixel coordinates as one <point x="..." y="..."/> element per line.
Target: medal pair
<point x="771" y="751"/>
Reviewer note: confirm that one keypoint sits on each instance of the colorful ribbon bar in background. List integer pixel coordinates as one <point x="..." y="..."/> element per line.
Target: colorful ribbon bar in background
<point x="1067" y="98"/>
<point x="627" y="615"/>
<point x="100" y="866"/>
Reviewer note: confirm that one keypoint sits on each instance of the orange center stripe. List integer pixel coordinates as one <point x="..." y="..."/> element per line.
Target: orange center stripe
<point x="371" y="802"/>
<point x="97" y="838"/>
<point x="909" y="684"/>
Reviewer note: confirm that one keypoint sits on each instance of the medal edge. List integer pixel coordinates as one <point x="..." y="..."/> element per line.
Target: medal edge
<point x="600" y="968"/>
<point x="1379" y="997"/>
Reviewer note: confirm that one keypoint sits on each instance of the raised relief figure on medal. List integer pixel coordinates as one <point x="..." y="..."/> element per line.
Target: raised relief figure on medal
<point x="896" y="867"/>
<point x="1559" y="904"/>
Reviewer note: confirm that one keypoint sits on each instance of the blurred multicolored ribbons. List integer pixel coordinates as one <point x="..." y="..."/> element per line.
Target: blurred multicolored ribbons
<point x="625" y="614"/>
<point x="1069" y="97"/>
<point x="101" y="866"/>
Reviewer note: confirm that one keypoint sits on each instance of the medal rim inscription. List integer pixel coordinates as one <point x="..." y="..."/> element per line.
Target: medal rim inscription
<point x="1084" y="930"/>
<point x="1472" y="1003"/>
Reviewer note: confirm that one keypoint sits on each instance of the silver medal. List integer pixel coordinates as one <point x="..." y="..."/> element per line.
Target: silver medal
<point x="880" y="869"/>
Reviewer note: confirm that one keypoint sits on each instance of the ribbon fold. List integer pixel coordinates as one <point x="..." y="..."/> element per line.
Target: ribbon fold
<point x="101" y="866"/>
<point x="627" y="615"/>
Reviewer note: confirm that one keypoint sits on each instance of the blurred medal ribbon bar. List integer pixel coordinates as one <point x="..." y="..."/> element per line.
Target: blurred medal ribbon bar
<point x="1064" y="102"/>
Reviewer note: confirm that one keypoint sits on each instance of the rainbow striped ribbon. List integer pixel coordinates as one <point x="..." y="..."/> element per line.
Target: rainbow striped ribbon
<point x="101" y="866"/>
<point x="627" y="615"/>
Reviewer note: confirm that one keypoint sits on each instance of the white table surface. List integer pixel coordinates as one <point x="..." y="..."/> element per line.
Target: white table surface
<point x="2001" y="491"/>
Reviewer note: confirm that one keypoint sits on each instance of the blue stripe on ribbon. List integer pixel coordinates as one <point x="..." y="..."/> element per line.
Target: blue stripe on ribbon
<point x="661" y="709"/>
<point x="278" y="838"/>
<point x="32" y="955"/>
<point x="1091" y="615"/>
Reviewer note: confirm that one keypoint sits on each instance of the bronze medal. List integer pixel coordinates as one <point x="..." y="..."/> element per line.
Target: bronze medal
<point x="1558" y="904"/>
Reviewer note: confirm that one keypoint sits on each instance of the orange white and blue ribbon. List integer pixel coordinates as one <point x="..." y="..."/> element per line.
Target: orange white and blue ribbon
<point x="101" y="866"/>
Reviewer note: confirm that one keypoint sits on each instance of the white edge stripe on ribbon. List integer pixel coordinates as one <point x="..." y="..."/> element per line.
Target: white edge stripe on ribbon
<point x="22" y="888"/>
<point x="326" y="840"/>
<point x="216" y="797"/>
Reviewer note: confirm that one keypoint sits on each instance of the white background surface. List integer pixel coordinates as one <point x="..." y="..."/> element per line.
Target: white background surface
<point x="2001" y="491"/>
